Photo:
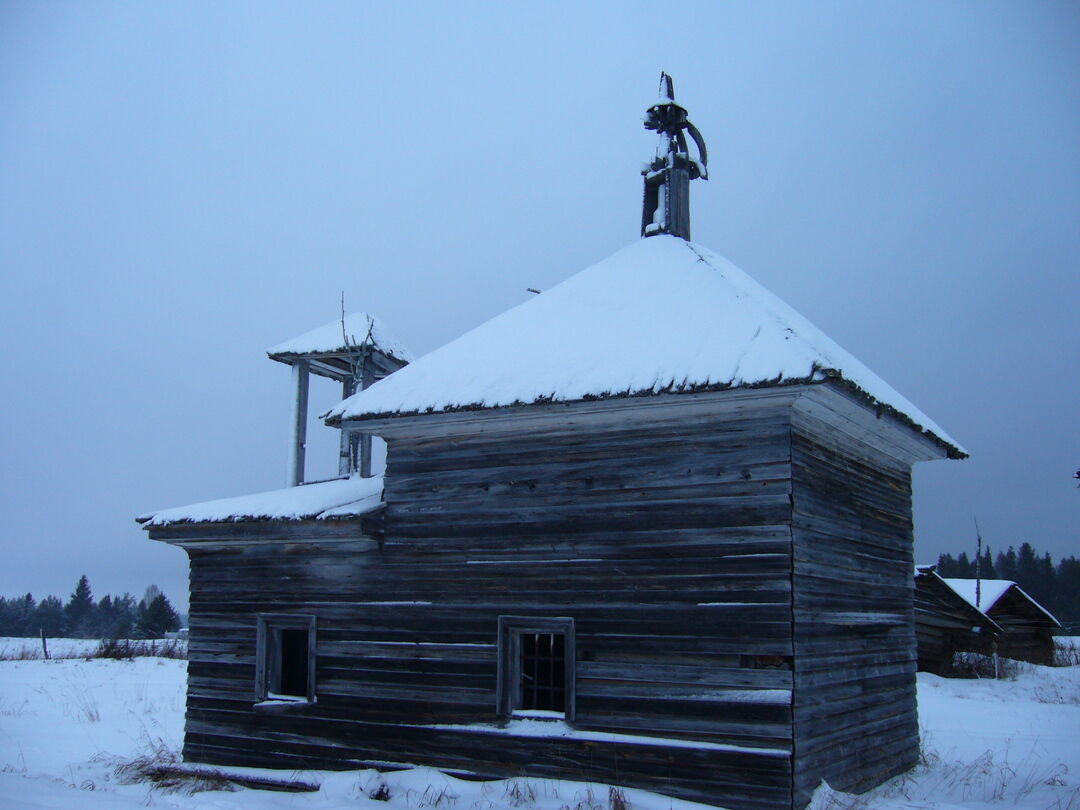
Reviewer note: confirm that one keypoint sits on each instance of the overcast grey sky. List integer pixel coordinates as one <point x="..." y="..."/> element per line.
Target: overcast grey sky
<point x="185" y="185"/>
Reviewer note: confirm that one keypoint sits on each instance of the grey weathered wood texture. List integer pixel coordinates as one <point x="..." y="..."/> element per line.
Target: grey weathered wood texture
<point x="946" y="624"/>
<point x="739" y="580"/>
<point x="855" y="716"/>
<point x="1027" y="632"/>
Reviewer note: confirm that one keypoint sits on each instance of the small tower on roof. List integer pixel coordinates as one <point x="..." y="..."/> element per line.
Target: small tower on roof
<point x="356" y="351"/>
<point x="666" y="207"/>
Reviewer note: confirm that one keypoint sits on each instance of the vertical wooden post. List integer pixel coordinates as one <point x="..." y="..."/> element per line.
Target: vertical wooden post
<point x="677" y="190"/>
<point x="298" y="440"/>
<point x="367" y="378"/>
<point x="346" y="453"/>
<point x="355" y="448"/>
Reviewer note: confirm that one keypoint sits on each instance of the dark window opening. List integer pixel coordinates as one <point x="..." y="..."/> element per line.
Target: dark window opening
<point x="543" y="672"/>
<point x="285" y="658"/>
<point x="293" y="678"/>
<point x="537" y="662"/>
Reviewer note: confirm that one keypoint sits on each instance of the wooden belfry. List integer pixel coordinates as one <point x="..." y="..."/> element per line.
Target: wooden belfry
<point x="666" y="207"/>
<point x="354" y="351"/>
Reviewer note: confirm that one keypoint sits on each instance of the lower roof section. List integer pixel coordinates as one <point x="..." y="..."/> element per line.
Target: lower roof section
<point x="326" y="500"/>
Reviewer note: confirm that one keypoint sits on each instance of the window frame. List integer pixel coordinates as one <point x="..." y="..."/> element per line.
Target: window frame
<point x="268" y="657"/>
<point x="511" y="628"/>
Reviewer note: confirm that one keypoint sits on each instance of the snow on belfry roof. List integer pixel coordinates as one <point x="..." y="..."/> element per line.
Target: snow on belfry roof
<point x="358" y="329"/>
<point x="660" y="315"/>
<point x="343" y="497"/>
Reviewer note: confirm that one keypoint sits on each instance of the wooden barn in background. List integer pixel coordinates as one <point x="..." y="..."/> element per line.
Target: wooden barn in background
<point x="650" y="528"/>
<point x="946" y="623"/>
<point x="1027" y="628"/>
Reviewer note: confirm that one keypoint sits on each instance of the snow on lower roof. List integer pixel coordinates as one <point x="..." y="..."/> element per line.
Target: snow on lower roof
<point x="660" y="315"/>
<point x="343" y="497"/>
<point x="359" y="329"/>
<point x="991" y="590"/>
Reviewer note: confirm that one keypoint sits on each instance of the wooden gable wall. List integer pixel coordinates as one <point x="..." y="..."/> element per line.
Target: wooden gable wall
<point x="1027" y="631"/>
<point x="946" y="624"/>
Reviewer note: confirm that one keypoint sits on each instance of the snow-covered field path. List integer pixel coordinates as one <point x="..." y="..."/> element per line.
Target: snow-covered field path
<point x="65" y="725"/>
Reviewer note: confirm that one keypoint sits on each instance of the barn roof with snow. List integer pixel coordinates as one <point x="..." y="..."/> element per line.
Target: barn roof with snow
<point x="991" y="592"/>
<point x="661" y="315"/>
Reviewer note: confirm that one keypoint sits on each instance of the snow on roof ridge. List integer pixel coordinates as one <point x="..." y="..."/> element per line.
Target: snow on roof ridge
<point x="331" y="338"/>
<point x="662" y="314"/>
<point x="339" y="497"/>
<point x="997" y="588"/>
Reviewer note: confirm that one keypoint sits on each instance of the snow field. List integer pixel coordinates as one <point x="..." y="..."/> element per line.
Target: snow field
<point x="66" y="726"/>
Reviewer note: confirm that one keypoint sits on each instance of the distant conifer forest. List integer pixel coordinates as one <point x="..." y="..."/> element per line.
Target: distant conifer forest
<point x="83" y="617"/>
<point x="1055" y="587"/>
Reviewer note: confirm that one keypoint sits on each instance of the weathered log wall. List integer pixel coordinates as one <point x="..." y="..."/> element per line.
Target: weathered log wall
<point x="946" y="624"/>
<point x="1028" y="632"/>
<point x="738" y="567"/>
<point x="668" y="543"/>
<point x="854" y="687"/>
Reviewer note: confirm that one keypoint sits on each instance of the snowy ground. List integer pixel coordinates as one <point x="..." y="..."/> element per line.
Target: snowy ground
<point x="66" y="725"/>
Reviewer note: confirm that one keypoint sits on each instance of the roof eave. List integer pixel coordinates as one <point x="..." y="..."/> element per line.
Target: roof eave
<point x="335" y="420"/>
<point x="816" y="377"/>
<point x="209" y="535"/>
<point x="951" y="448"/>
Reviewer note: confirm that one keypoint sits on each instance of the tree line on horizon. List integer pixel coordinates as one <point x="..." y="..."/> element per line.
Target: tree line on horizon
<point x="1054" y="586"/>
<point x="83" y="617"/>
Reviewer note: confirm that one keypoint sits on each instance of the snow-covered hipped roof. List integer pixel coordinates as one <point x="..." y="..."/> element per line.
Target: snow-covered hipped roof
<point x="660" y="315"/>
<point x="991" y="590"/>
<point x="341" y="498"/>
<point x="360" y="328"/>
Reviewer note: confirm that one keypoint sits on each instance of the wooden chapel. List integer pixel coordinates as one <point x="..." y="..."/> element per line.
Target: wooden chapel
<point x="650" y="528"/>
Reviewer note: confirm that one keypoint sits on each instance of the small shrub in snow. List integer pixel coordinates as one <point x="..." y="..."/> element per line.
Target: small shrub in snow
<point x="617" y="799"/>
<point x="380" y="793"/>
<point x="987" y="778"/>
<point x="21" y="653"/>
<point x="123" y="649"/>
<point x="161" y="768"/>
<point x="80" y="698"/>
<point x="1066" y="652"/>
<point x="431" y="797"/>
<point x="520" y="793"/>
<point x="584" y="800"/>
<point x="975" y="665"/>
<point x="825" y="798"/>
<point x="117" y="649"/>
